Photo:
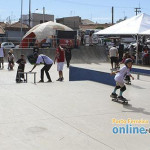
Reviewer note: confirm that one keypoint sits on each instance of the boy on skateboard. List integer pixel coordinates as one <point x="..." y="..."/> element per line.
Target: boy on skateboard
<point x="119" y="78"/>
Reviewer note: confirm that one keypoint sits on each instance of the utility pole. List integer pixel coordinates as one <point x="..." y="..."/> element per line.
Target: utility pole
<point x="21" y="20"/>
<point x="29" y="13"/>
<point x="137" y="10"/>
<point x="112" y="15"/>
<point x="43" y="14"/>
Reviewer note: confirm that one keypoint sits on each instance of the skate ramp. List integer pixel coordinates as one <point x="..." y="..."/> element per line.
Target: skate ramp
<point x="81" y="74"/>
<point x="82" y="55"/>
<point x="89" y="54"/>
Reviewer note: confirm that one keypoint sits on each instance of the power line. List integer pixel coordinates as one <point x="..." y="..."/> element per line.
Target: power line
<point x="91" y="4"/>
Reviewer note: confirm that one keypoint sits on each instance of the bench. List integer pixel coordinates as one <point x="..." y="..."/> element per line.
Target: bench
<point x="26" y="76"/>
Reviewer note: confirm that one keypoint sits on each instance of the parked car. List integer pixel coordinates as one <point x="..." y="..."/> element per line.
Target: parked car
<point x="46" y="45"/>
<point x="17" y="46"/>
<point x="7" y="45"/>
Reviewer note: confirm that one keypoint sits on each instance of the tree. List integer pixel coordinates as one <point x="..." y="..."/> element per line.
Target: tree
<point x="120" y="20"/>
<point x="100" y="27"/>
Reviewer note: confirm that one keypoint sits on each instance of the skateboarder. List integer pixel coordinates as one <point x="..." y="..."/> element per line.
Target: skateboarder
<point x="47" y="65"/>
<point x="119" y="78"/>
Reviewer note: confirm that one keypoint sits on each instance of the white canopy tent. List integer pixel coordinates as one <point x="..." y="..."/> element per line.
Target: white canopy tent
<point x="136" y="25"/>
<point x="132" y="26"/>
<point x="147" y="32"/>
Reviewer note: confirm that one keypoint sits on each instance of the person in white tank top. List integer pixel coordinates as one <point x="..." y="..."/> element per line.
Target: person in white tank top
<point x="2" y="55"/>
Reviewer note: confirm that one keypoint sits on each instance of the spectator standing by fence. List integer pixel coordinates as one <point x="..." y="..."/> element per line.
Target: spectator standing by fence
<point x="68" y="54"/>
<point x="113" y="54"/>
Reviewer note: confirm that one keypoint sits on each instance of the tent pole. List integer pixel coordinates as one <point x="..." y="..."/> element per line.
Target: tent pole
<point x="137" y="41"/>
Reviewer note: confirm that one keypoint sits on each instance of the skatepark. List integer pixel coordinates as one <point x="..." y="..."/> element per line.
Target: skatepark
<point x="75" y="114"/>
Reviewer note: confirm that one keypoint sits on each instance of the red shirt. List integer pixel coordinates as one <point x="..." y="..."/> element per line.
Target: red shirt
<point x="60" y="55"/>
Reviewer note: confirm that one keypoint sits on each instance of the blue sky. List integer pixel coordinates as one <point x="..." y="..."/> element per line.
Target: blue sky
<point x="96" y="10"/>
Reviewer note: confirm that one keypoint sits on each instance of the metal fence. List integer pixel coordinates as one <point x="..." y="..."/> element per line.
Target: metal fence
<point x="18" y="42"/>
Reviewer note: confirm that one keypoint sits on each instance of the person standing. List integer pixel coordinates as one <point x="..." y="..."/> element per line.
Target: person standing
<point x="10" y="60"/>
<point x="120" y="51"/>
<point x="60" y="57"/>
<point x="113" y="53"/>
<point x="82" y="38"/>
<point x="47" y="65"/>
<point x="2" y="55"/>
<point x="68" y="54"/>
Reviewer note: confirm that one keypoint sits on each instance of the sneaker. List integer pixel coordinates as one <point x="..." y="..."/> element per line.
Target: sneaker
<point x="121" y="98"/>
<point x="58" y="79"/>
<point x="61" y="79"/>
<point x="49" y="81"/>
<point x="41" y="81"/>
<point x="113" y="95"/>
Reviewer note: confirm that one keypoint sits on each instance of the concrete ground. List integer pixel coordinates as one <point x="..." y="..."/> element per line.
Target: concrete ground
<point x="69" y="115"/>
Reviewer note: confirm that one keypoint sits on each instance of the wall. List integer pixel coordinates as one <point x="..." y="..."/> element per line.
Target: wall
<point x="29" y="51"/>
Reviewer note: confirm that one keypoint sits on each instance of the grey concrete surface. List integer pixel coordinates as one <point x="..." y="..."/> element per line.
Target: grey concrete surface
<point x="69" y="115"/>
<point x="85" y="54"/>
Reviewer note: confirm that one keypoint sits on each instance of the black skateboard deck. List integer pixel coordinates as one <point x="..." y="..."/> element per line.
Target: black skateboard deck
<point x="125" y="101"/>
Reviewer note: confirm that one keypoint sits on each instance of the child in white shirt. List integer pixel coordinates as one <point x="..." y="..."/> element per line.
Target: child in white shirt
<point x="119" y="78"/>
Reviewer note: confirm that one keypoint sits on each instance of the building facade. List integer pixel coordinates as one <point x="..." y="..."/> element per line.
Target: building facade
<point x="36" y="18"/>
<point x="13" y="32"/>
<point x="72" y="22"/>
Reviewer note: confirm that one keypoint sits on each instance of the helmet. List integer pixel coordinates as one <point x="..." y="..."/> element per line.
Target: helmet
<point x="128" y="60"/>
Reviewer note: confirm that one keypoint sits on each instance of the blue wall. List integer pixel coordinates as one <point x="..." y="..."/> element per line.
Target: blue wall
<point x="80" y="74"/>
<point x="140" y="70"/>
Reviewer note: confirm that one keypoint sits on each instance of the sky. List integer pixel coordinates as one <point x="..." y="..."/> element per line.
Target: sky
<point x="96" y="10"/>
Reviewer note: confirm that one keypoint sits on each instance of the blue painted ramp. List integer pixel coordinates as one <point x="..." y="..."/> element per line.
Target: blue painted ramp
<point x="144" y="71"/>
<point x="80" y="74"/>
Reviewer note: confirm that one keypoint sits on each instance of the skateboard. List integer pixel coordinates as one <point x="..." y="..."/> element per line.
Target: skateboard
<point x="124" y="101"/>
